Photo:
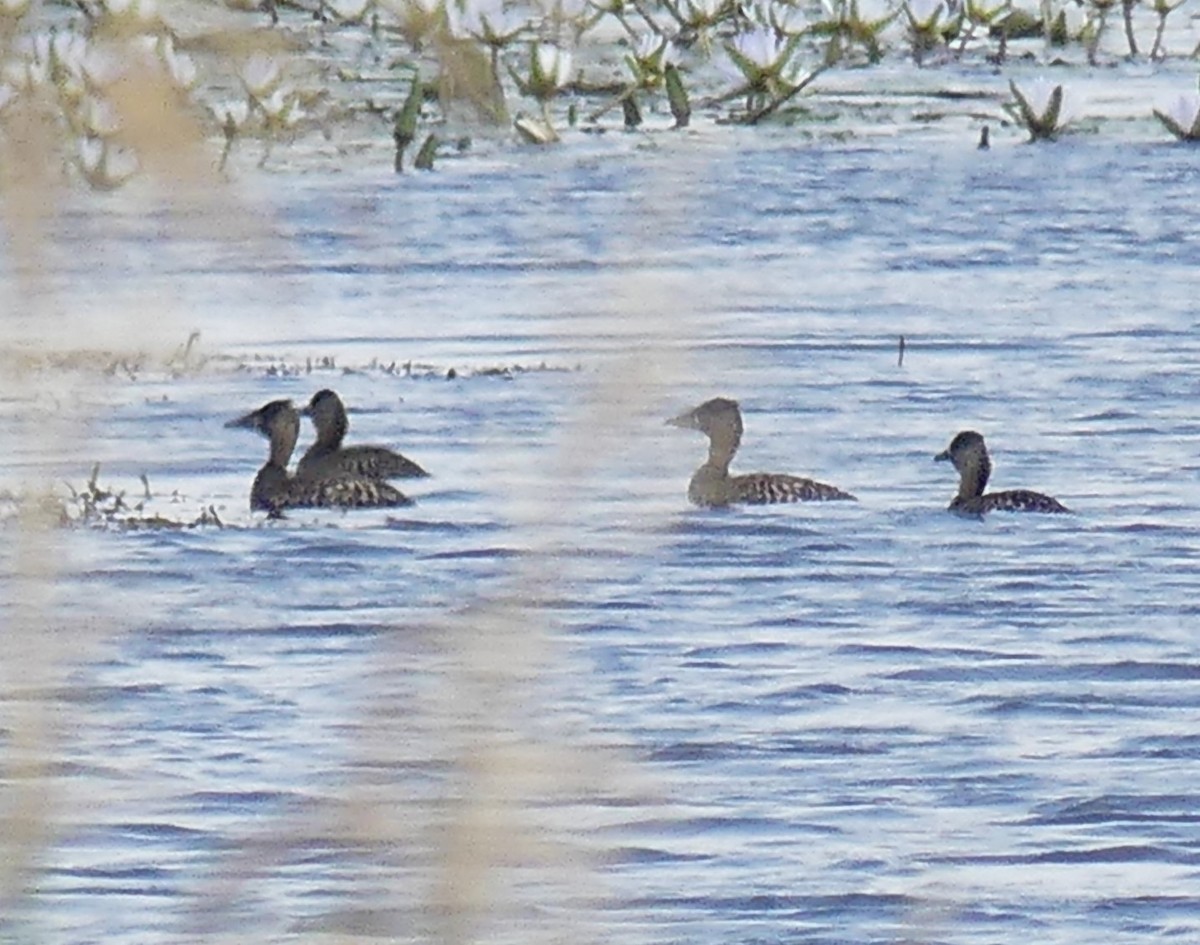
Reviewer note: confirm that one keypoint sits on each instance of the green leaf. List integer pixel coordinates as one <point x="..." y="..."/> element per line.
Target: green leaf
<point x="1050" y="116"/>
<point x="677" y="97"/>
<point x="1027" y="117"/>
<point x="424" y="159"/>
<point x="750" y="70"/>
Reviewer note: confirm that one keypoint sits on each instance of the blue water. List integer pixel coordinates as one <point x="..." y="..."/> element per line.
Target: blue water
<point x="552" y="701"/>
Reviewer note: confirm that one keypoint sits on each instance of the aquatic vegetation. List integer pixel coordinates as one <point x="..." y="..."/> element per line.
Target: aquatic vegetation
<point x="854" y="23"/>
<point x="404" y="128"/>
<point x="547" y="71"/>
<point x="104" y="164"/>
<point x="930" y="24"/>
<point x="88" y="75"/>
<point x="651" y="60"/>
<point x="1094" y="26"/>
<point x="96" y="506"/>
<point x="1039" y="109"/>
<point x="1182" y="117"/>
<point x="767" y="62"/>
<point x="1162" y="9"/>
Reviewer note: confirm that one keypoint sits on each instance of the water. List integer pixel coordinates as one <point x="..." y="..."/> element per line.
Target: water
<point x="551" y="700"/>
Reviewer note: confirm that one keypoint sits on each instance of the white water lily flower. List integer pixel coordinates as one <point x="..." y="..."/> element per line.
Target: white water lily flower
<point x="762" y="48"/>
<point x="1182" y="117"/>
<point x="553" y="63"/>
<point x="106" y="165"/>
<point x="1185" y="110"/>
<point x="651" y="56"/>
<point x="648" y="45"/>
<point x="654" y="48"/>
<point x="101" y="118"/>
<point x="25" y="73"/>
<point x="236" y="113"/>
<point x="91" y="153"/>
<point x="102" y="66"/>
<point x="261" y="74"/>
<point x="1038" y="94"/>
<point x="282" y="109"/>
<point x="924" y="14"/>
<point x="180" y="66"/>
<point x="36" y="47"/>
<point x="67" y="52"/>
<point x="275" y="104"/>
<point x="1040" y="108"/>
<point x="986" y="12"/>
<point x="704" y="11"/>
<point x="486" y="21"/>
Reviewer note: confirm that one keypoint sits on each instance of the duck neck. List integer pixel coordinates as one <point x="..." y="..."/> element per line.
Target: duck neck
<point x="722" y="444"/>
<point x="973" y="476"/>
<point x="283" y="442"/>
<point x="332" y="431"/>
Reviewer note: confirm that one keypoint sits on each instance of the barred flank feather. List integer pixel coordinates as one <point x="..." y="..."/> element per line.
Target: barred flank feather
<point x="1013" y="500"/>
<point x="353" y="493"/>
<point x="769" y="488"/>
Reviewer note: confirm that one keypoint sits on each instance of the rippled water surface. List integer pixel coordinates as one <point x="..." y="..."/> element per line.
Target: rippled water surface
<point x="551" y="700"/>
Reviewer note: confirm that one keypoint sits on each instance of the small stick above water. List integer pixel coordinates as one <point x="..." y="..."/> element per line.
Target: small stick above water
<point x="900" y="359"/>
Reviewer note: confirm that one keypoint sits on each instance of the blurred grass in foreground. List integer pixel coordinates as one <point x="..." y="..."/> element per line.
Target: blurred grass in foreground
<point x="498" y="845"/>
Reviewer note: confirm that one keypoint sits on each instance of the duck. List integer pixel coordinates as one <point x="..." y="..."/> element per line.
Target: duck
<point x="968" y="452"/>
<point x="327" y="456"/>
<point x="720" y="419"/>
<point x="275" y="490"/>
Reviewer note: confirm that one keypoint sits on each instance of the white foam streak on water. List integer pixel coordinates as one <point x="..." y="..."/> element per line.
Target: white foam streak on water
<point x="826" y="723"/>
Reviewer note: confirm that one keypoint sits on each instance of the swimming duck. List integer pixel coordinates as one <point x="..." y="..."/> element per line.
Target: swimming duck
<point x="327" y="456"/>
<point x="274" y="490"/>
<point x="969" y="455"/>
<point x="720" y="420"/>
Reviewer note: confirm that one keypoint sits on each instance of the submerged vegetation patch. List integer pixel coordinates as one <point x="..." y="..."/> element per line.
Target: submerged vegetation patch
<point x="275" y="366"/>
<point x="93" y="505"/>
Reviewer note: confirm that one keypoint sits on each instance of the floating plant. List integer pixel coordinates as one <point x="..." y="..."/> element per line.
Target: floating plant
<point x="1039" y="109"/>
<point x="76" y="77"/>
<point x="771" y="70"/>
<point x="851" y="23"/>
<point x="652" y="55"/>
<point x="1182" y="117"/>
<point x="549" y="67"/>
<point x="930" y="24"/>
<point x="404" y="128"/>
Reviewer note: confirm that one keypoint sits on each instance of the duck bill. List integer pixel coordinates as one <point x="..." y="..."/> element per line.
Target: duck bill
<point x="685" y="421"/>
<point x="252" y="421"/>
<point x="942" y="457"/>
